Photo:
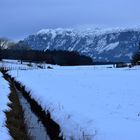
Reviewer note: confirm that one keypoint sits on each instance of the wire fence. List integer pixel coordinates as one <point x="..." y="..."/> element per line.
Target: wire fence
<point x="7" y="68"/>
<point x="17" y="68"/>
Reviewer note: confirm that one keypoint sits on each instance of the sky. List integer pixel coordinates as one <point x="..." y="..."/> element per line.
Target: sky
<point x="20" y="18"/>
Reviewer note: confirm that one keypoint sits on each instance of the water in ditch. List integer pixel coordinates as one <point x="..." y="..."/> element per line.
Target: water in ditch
<point x="35" y="127"/>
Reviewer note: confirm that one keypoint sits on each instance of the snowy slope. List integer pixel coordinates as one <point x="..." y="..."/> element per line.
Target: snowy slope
<point x="4" y="92"/>
<point x="94" y="103"/>
<point x="100" y="44"/>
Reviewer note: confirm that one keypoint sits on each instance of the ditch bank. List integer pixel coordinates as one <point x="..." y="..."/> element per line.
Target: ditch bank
<point x="15" y="116"/>
<point x="51" y="127"/>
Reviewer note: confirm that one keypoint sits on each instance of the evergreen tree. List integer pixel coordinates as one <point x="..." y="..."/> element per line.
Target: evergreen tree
<point x="136" y="57"/>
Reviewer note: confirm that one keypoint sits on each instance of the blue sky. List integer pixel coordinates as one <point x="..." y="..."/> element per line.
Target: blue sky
<point x="20" y="18"/>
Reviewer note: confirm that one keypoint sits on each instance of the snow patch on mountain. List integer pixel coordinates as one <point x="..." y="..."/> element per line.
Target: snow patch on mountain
<point x="108" y="47"/>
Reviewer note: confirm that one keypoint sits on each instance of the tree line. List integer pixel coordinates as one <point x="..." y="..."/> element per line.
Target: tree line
<point x="63" y="58"/>
<point x="23" y="52"/>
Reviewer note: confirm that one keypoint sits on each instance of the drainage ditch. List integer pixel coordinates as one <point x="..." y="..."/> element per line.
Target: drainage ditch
<point x="37" y="122"/>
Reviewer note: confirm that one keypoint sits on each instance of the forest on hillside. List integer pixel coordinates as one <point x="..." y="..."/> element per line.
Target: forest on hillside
<point x="23" y="52"/>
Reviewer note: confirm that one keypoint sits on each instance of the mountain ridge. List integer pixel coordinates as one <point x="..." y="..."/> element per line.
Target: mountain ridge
<point x="114" y="45"/>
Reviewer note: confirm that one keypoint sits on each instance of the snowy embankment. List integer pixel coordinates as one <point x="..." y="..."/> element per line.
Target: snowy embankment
<point x="88" y="102"/>
<point x="4" y="92"/>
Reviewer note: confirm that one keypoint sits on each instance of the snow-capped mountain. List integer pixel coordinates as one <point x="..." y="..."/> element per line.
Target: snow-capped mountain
<point x="100" y="44"/>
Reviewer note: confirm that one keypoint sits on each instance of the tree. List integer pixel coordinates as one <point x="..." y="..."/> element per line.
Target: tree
<point x="136" y="56"/>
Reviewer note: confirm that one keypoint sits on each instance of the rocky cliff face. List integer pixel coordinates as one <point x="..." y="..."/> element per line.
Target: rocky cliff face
<point x="101" y="45"/>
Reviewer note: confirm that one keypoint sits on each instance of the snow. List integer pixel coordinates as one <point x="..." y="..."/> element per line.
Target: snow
<point x="4" y="92"/>
<point x="44" y="38"/>
<point x="13" y="64"/>
<point x="117" y="56"/>
<point x="96" y="103"/>
<point x="84" y="31"/>
<point x="129" y="55"/>
<point x="16" y="65"/>
<point x="54" y="32"/>
<point x="109" y="47"/>
<point x="102" y="46"/>
<point x="35" y="128"/>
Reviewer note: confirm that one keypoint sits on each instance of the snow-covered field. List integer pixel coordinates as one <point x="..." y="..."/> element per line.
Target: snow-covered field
<point x="95" y="103"/>
<point x="16" y="65"/>
<point x="4" y="92"/>
<point x="13" y="64"/>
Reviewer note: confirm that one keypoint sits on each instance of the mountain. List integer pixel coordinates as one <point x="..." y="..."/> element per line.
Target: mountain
<point x="5" y="43"/>
<point x="100" y="44"/>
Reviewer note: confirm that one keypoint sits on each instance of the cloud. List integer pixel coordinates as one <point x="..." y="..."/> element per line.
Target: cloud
<point x="20" y="18"/>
